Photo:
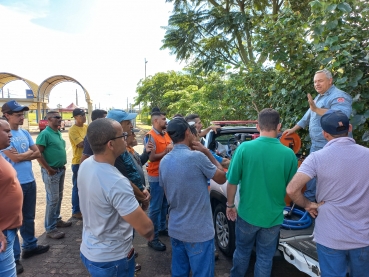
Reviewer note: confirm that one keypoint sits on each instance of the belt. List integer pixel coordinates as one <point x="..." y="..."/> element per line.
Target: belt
<point x="57" y="168"/>
<point x="131" y="253"/>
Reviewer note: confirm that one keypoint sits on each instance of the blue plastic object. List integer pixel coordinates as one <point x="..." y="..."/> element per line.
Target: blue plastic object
<point x="302" y="223"/>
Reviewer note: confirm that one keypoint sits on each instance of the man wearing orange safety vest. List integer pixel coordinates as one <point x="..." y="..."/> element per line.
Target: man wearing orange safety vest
<point x="158" y="203"/>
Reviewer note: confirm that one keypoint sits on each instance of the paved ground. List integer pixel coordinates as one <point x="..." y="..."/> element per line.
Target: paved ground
<point x="63" y="256"/>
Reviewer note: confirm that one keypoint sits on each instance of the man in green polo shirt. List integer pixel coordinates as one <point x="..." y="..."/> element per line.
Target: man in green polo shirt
<point x="52" y="161"/>
<point x="261" y="168"/>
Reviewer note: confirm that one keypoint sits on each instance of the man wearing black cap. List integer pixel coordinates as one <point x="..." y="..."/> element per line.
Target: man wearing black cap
<point x="77" y="134"/>
<point x="183" y="174"/>
<point x="20" y="154"/>
<point x="53" y="160"/>
<point x="342" y="191"/>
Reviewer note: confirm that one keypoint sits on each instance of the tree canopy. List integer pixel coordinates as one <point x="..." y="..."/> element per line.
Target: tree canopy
<point x="248" y="55"/>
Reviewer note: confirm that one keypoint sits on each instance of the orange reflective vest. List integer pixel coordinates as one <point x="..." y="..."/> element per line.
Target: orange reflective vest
<point x="161" y="143"/>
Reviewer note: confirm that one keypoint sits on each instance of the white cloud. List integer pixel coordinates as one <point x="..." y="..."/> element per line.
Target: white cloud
<point x="106" y="57"/>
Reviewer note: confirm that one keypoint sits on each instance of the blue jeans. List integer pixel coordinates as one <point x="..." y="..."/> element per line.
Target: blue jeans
<point x="54" y="186"/>
<point x="27" y="230"/>
<point x="311" y="185"/>
<point x="121" y="268"/>
<point x="158" y="208"/>
<point x="7" y="264"/>
<point x="197" y="257"/>
<point x="75" y="198"/>
<point x="266" y="240"/>
<point x="334" y="263"/>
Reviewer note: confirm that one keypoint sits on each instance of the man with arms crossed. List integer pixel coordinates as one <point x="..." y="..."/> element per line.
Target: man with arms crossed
<point x="329" y="97"/>
<point x="108" y="205"/>
<point x="262" y="168"/>
<point x="11" y="198"/>
<point x="183" y="174"/>
<point x="341" y="227"/>
<point x="53" y="159"/>
<point x="22" y="151"/>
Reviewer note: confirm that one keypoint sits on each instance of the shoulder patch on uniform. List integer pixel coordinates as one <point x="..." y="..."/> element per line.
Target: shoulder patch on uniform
<point x="341" y="99"/>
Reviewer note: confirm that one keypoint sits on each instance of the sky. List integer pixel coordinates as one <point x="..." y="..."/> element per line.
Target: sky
<point x="102" y="44"/>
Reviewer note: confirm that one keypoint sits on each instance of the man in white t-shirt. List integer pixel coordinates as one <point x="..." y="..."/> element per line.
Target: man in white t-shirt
<point x="109" y="207"/>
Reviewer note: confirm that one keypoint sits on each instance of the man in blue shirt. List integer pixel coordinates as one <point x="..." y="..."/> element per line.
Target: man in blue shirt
<point x="21" y="152"/>
<point x="329" y="98"/>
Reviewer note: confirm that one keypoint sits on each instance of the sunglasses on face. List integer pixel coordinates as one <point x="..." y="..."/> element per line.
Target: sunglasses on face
<point x="124" y="136"/>
<point x="57" y="117"/>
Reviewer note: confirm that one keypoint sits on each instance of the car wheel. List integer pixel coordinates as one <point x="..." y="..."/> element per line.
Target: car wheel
<point x="224" y="231"/>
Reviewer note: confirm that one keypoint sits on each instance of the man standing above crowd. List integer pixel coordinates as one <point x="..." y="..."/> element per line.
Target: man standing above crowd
<point x="262" y="168"/>
<point x="77" y="134"/>
<point x="329" y="97"/>
<point x="108" y="205"/>
<point x="87" y="151"/>
<point x="23" y="150"/>
<point x="53" y="159"/>
<point x="183" y="174"/>
<point x="342" y="191"/>
<point x="162" y="145"/>
<point x="11" y="198"/>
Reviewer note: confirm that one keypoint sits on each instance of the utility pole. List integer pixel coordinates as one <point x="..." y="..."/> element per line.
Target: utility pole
<point x="145" y="66"/>
<point x="76" y="98"/>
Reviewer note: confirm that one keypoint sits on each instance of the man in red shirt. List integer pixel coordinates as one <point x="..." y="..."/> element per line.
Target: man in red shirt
<point x="11" y="200"/>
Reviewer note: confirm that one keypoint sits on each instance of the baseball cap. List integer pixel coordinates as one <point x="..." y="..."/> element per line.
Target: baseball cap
<point x="335" y="122"/>
<point x="177" y="127"/>
<point x="13" y="106"/>
<point x="120" y="115"/>
<point x="78" y="111"/>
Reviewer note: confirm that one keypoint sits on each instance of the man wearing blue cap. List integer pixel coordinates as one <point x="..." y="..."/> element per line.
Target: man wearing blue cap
<point x="125" y="164"/>
<point x="342" y="191"/>
<point x="20" y="154"/>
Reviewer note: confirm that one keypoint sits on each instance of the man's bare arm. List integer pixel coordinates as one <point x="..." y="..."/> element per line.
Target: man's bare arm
<point x="141" y="223"/>
<point x="231" y="194"/>
<point x="16" y="157"/>
<point x="204" y="132"/>
<point x="43" y="162"/>
<point x="84" y="157"/>
<point x="294" y="190"/>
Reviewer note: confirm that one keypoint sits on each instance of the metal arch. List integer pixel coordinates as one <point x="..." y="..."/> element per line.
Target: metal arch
<point x="6" y="78"/>
<point x="48" y="84"/>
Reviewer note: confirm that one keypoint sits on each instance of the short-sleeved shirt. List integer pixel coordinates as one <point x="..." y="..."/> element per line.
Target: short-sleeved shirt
<point x="262" y="168"/>
<point x="341" y="171"/>
<point x="54" y="152"/>
<point x="87" y="151"/>
<point x="107" y="196"/>
<point x="125" y="164"/>
<point x="333" y="99"/>
<point x="183" y="174"/>
<point x="76" y="136"/>
<point x="21" y="141"/>
<point x="11" y="197"/>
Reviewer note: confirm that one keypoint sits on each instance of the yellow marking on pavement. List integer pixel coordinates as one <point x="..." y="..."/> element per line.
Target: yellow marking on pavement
<point x="70" y="148"/>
